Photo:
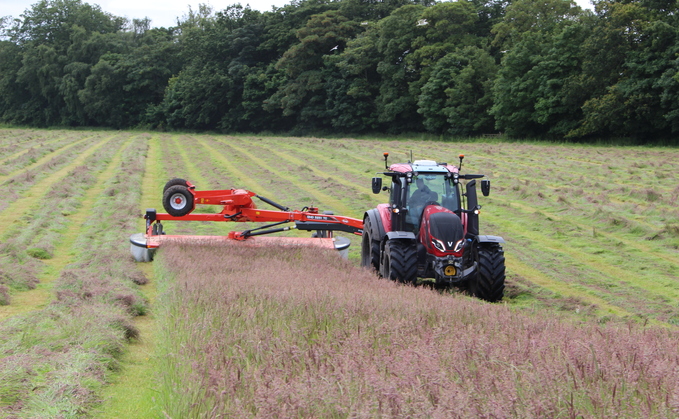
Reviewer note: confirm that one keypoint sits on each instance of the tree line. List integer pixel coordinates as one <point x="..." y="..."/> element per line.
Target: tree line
<point x="527" y="68"/>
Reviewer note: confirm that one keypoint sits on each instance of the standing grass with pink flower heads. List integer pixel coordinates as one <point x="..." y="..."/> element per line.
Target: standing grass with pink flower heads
<point x="296" y="332"/>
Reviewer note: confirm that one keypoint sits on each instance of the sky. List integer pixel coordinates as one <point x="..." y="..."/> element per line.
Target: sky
<point x="162" y="12"/>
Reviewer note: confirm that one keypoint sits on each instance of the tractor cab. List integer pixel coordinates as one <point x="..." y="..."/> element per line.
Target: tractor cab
<point x="428" y="188"/>
<point x="416" y="185"/>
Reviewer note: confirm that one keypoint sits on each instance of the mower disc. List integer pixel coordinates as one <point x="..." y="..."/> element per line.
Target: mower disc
<point x="138" y="248"/>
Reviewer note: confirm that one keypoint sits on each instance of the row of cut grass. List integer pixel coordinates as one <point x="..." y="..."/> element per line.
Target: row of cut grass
<point x="47" y="227"/>
<point x="30" y="185"/>
<point x="13" y="152"/>
<point x="133" y="390"/>
<point x="55" y="360"/>
<point x="35" y="159"/>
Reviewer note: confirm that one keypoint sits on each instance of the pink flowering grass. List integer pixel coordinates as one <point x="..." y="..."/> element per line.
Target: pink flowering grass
<point x="296" y="332"/>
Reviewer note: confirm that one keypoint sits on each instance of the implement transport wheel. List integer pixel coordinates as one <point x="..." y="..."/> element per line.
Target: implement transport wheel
<point x="370" y="248"/>
<point x="178" y="201"/>
<point x="489" y="284"/>
<point x="400" y="261"/>
<point x="173" y="182"/>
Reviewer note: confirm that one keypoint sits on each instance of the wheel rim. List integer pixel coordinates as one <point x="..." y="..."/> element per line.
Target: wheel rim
<point x="178" y="201"/>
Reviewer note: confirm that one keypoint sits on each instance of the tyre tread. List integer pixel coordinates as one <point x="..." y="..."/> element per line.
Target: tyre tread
<point x="403" y="261"/>
<point x="490" y="281"/>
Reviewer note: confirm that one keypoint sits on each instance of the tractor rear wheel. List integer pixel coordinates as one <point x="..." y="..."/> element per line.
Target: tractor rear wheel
<point x="173" y="182"/>
<point x="400" y="261"/>
<point x="178" y="201"/>
<point x="489" y="284"/>
<point x="370" y="248"/>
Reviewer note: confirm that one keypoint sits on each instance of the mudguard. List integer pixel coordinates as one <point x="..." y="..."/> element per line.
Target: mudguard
<point x="376" y="224"/>
<point x="401" y="235"/>
<point x="490" y="239"/>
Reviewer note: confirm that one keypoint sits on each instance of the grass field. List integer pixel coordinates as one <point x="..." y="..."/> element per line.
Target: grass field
<point x="592" y="243"/>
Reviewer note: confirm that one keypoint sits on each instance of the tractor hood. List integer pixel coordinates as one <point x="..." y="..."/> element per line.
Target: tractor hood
<point x="440" y="231"/>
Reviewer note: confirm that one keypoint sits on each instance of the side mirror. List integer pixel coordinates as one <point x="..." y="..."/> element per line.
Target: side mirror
<point x="377" y="185"/>
<point x="485" y="187"/>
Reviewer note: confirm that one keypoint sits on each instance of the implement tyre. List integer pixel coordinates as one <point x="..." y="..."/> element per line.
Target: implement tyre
<point x="370" y="248"/>
<point x="173" y="182"/>
<point x="489" y="284"/>
<point x="178" y="201"/>
<point x="400" y="261"/>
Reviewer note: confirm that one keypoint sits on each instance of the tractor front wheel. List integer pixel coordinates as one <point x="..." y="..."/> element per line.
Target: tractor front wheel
<point x="400" y="261"/>
<point x="489" y="284"/>
<point x="178" y="201"/>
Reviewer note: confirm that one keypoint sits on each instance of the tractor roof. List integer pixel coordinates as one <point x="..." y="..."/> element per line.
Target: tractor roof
<point x="423" y="166"/>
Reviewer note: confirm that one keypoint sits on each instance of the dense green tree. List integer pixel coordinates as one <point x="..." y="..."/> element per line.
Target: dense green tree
<point x="396" y="104"/>
<point x="13" y="95"/>
<point x="220" y="51"/>
<point x="305" y="92"/>
<point x="527" y="68"/>
<point x="629" y="90"/>
<point x="523" y="17"/>
<point x="51" y="22"/>
<point x="59" y="41"/>
<point x="351" y="104"/>
<point x="457" y="97"/>
<point x="538" y="91"/>
<point x="282" y="23"/>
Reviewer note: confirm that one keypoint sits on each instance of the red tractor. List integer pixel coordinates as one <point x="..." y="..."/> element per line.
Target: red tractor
<point x="427" y="230"/>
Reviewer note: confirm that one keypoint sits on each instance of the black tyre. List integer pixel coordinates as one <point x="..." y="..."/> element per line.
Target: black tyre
<point x="370" y="248"/>
<point x="178" y="201"/>
<point x="489" y="284"/>
<point x="400" y="261"/>
<point x="173" y="182"/>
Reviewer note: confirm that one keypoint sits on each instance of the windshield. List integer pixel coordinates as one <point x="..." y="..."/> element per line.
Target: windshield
<point x="428" y="188"/>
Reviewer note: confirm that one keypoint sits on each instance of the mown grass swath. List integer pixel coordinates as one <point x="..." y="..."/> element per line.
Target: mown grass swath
<point x="294" y="332"/>
<point x="15" y="143"/>
<point x="40" y="230"/>
<point x="55" y="360"/>
<point x="41" y="157"/>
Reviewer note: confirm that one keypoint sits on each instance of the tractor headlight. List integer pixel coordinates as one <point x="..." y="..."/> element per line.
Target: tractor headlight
<point x="459" y="246"/>
<point x="438" y="244"/>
